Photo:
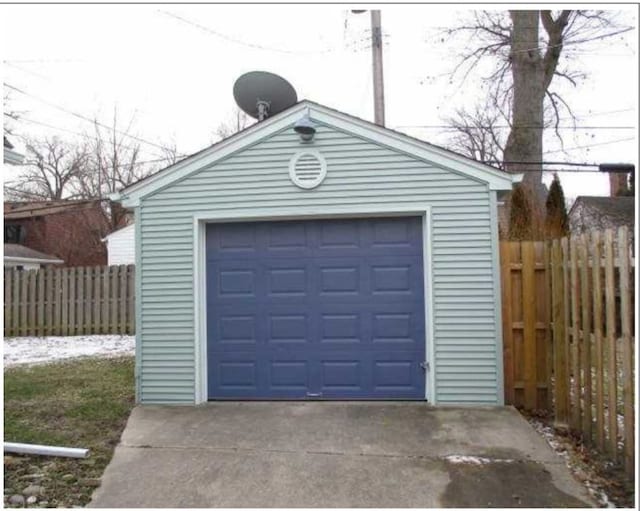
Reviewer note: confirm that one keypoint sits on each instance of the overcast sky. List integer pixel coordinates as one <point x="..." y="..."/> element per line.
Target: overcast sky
<point x="170" y="70"/>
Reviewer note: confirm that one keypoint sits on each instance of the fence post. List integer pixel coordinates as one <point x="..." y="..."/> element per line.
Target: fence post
<point x="627" y="351"/>
<point x="612" y="380"/>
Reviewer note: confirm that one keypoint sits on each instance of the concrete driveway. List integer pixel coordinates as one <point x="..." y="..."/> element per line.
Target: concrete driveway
<point x="334" y="454"/>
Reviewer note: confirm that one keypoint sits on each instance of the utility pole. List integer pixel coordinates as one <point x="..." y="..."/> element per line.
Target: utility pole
<point x="378" y="77"/>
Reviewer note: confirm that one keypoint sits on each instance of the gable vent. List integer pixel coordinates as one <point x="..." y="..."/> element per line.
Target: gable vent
<point x="307" y="169"/>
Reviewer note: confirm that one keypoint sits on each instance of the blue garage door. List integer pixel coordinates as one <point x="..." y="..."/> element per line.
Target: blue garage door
<point x="330" y="309"/>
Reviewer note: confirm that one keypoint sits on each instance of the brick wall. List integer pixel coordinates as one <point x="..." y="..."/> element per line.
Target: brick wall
<point x="73" y="236"/>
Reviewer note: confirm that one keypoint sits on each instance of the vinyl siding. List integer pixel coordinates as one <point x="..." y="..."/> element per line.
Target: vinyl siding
<point x="360" y="172"/>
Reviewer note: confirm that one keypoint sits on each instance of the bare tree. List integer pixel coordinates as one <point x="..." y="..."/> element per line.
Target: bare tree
<point x="235" y="122"/>
<point x="523" y="49"/>
<point x="52" y="170"/>
<point x="114" y="163"/>
<point x="477" y="134"/>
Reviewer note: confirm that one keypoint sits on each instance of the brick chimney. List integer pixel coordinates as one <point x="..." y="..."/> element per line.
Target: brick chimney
<point x="617" y="183"/>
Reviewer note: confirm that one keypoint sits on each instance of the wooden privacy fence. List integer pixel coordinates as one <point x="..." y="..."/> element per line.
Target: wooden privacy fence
<point x="69" y="301"/>
<point x="568" y="323"/>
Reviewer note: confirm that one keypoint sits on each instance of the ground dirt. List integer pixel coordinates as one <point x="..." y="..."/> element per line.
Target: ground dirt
<point x="606" y="481"/>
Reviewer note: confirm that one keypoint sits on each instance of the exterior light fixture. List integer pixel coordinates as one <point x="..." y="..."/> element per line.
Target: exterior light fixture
<point x="305" y="128"/>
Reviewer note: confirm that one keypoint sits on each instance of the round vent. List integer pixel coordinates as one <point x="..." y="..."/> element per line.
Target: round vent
<point x="307" y="169"/>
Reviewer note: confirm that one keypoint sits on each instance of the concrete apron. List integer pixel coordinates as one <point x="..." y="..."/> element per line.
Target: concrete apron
<point x="334" y="454"/>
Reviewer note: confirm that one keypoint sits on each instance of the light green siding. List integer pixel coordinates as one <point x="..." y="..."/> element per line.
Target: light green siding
<point x="359" y="172"/>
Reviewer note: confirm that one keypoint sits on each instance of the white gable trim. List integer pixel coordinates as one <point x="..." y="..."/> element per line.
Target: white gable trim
<point x="496" y="179"/>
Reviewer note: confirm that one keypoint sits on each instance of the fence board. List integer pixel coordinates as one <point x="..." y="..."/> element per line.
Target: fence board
<point x="15" y="313"/>
<point x="72" y="301"/>
<point x="585" y="300"/>
<point x="559" y="367"/>
<point x="8" y="276"/>
<point x="104" y="313"/>
<point x="113" y="306"/>
<point x="596" y="275"/>
<point x="65" y="302"/>
<point x="96" y="301"/>
<point x="40" y="303"/>
<point x="548" y="347"/>
<point x="80" y="305"/>
<point x="49" y="321"/>
<point x="88" y="306"/>
<point x="610" y="306"/>
<point x="575" y="336"/>
<point x="507" y="332"/>
<point x="123" y="298"/>
<point x="131" y="309"/>
<point x="24" y="286"/>
<point x="627" y="351"/>
<point x="529" y="320"/>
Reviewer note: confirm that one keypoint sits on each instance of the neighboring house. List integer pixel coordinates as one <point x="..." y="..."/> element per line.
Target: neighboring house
<point x="121" y="246"/>
<point x="588" y="213"/>
<point x="24" y="258"/>
<point x="10" y="155"/>
<point x="69" y="230"/>
<point x="361" y="265"/>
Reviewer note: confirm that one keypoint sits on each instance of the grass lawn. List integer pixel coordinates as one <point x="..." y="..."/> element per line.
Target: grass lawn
<point x="81" y="403"/>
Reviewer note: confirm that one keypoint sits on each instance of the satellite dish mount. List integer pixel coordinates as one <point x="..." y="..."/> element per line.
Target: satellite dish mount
<point x="263" y="109"/>
<point x="261" y="94"/>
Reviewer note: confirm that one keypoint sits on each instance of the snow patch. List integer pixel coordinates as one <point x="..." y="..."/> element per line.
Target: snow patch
<point x="42" y="350"/>
<point x="473" y="460"/>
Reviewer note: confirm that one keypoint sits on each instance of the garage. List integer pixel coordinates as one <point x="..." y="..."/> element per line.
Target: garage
<point x="349" y="262"/>
<point x="329" y="309"/>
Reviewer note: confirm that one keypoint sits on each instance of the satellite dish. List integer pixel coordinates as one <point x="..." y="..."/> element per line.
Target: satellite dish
<point x="261" y="94"/>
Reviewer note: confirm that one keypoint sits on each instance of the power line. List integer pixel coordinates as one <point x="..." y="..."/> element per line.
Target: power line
<point x="87" y="119"/>
<point x="58" y="128"/>
<point x="502" y="126"/>
<point x="241" y="42"/>
<point x="590" y="145"/>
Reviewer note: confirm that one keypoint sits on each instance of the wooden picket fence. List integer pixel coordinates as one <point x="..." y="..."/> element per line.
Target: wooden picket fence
<point x="568" y="330"/>
<point x="69" y="301"/>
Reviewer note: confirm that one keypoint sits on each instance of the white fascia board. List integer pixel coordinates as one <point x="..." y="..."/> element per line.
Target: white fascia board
<point x="496" y="179"/>
<point x="14" y="259"/>
<point x="131" y="197"/>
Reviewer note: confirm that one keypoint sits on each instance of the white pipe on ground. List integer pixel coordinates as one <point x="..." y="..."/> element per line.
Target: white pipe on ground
<point x="45" y="450"/>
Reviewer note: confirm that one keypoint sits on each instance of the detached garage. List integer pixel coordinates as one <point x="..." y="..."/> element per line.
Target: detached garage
<point x="362" y="264"/>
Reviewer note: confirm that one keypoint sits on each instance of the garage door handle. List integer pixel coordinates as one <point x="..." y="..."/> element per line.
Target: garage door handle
<point x="314" y="394"/>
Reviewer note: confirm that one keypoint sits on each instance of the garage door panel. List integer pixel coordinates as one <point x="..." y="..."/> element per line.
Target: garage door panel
<point x="305" y="309"/>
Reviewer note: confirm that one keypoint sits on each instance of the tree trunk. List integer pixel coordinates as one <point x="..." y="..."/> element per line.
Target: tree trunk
<point x="525" y="139"/>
